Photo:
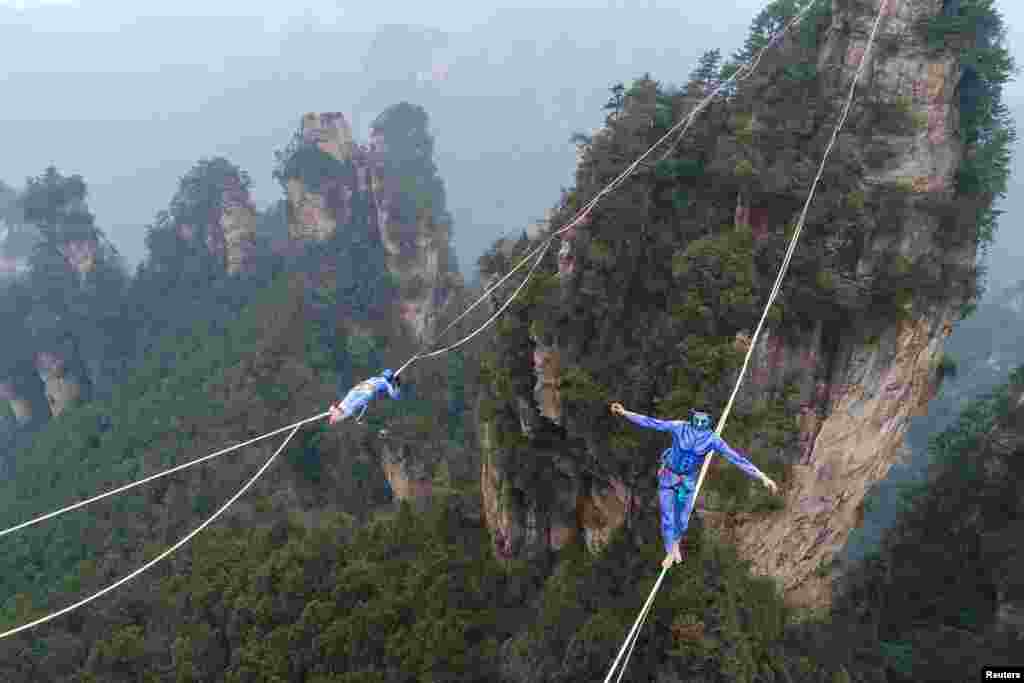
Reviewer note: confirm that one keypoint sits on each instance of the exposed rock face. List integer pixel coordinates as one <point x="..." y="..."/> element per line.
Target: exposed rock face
<point x="851" y="431"/>
<point x="856" y="388"/>
<point x="857" y="397"/>
<point x="81" y="255"/>
<point x="20" y="404"/>
<point x="330" y="132"/>
<point x="546" y="394"/>
<point x="415" y="246"/>
<point x="237" y="226"/>
<point x="409" y="477"/>
<point x="63" y="387"/>
<point x="314" y="216"/>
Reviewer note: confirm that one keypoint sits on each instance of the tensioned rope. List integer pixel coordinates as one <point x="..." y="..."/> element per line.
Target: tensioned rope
<point x="741" y="73"/>
<point x="634" y="633"/>
<point x="83" y="503"/>
<point x="162" y="555"/>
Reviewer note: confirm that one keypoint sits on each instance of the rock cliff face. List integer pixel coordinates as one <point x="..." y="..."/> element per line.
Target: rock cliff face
<point x="230" y="227"/>
<point x="851" y="382"/>
<point x="415" y="244"/>
<point x="408" y="475"/>
<point x="236" y="228"/>
<point x="19" y="400"/>
<point x="63" y="386"/>
<point x="315" y="212"/>
<point x="857" y="397"/>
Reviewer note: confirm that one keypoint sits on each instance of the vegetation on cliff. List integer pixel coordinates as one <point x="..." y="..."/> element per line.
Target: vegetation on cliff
<point x="652" y="322"/>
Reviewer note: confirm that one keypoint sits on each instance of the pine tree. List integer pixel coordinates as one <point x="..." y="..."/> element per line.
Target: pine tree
<point x="707" y="71"/>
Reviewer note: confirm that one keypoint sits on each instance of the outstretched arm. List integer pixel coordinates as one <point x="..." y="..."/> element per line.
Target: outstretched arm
<point x="730" y="454"/>
<point x="645" y="421"/>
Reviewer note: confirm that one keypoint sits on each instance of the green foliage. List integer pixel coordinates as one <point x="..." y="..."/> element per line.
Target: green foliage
<point x="675" y="169"/>
<point x="801" y="73"/>
<point x="987" y="170"/>
<point x="65" y="463"/>
<point x="947" y="366"/>
<point x="744" y="168"/>
<point x="743" y="126"/>
<point x="601" y="252"/>
<point x="125" y="646"/>
<point x="680" y="200"/>
<point x="855" y="200"/>
<point x="899" y="656"/>
<point x="905" y="185"/>
<point x="579" y="385"/>
<point x="456" y="387"/>
<point x="409" y="156"/>
<point x="919" y="120"/>
<point x="766" y="25"/>
<point x="771" y="21"/>
<point x="985" y="122"/>
<point x="306" y="457"/>
<point x="972" y="23"/>
<point x="715" y="275"/>
<point x="54" y="203"/>
<point x="708" y="67"/>
<point x="499" y="378"/>
<point x="542" y="290"/>
<point x="663" y="115"/>
<point x="972" y="424"/>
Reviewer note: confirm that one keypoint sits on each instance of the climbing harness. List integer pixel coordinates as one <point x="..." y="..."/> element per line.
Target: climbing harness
<point x="164" y="554"/>
<point x="679" y="130"/>
<point x="631" y="638"/>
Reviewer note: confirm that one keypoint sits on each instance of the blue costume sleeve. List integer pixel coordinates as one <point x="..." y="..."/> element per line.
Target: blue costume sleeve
<point x="735" y="458"/>
<point x="651" y="423"/>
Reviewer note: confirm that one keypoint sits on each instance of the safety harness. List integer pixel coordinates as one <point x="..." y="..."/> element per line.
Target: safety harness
<point x="679" y="485"/>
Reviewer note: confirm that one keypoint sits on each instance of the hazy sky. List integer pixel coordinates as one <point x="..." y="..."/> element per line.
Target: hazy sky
<point x="131" y="100"/>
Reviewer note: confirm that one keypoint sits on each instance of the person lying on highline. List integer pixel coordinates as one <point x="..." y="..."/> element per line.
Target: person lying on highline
<point x="361" y="394"/>
<point x="680" y="467"/>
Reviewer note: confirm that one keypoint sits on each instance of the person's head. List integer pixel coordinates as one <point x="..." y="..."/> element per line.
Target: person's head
<point x="700" y="421"/>
<point x="388" y="375"/>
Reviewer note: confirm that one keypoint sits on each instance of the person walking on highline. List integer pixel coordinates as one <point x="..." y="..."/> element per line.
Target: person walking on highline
<point x="361" y="394"/>
<point x="680" y="467"/>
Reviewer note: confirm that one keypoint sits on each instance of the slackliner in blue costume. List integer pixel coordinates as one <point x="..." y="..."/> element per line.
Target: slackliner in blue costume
<point x="361" y="394"/>
<point x="680" y="467"/>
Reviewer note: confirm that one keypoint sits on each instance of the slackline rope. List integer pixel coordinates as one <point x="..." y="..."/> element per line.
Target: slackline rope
<point x="162" y="555"/>
<point x="633" y="634"/>
<point x="681" y="127"/>
<point x="83" y="503"/>
<point x="742" y="73"/>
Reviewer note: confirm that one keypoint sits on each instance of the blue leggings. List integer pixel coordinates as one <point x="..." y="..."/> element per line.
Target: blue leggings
<point x="676" y="506"/>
